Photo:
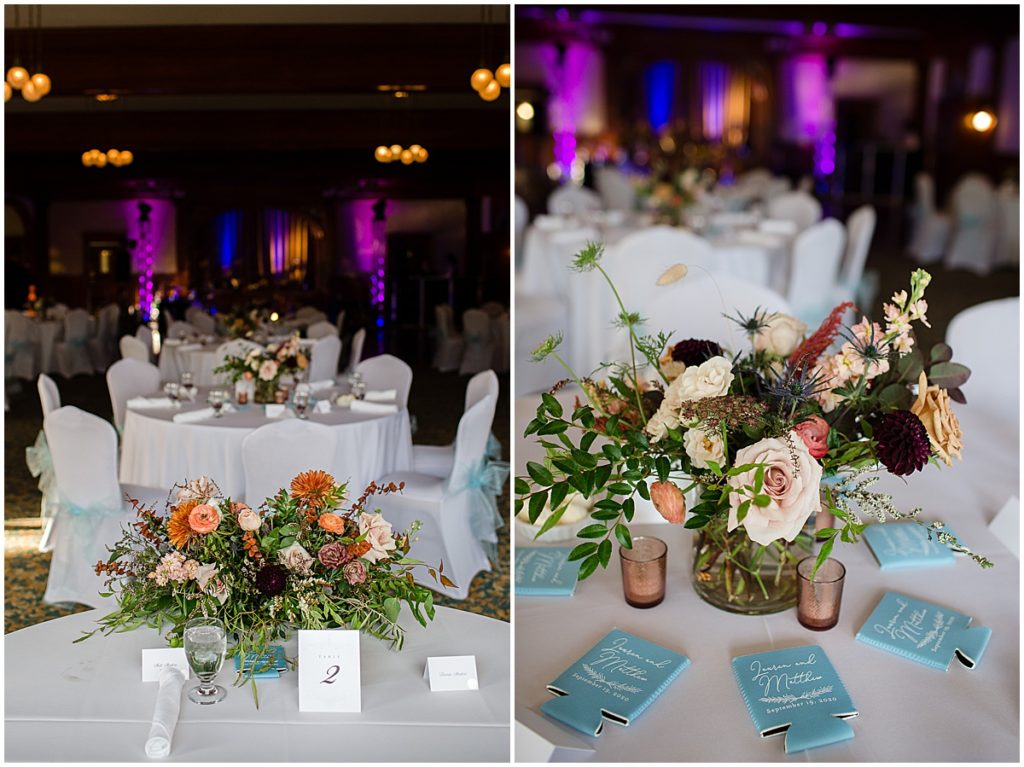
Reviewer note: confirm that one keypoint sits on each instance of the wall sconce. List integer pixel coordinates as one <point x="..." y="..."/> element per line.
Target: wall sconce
<point x="981" y="121"/>
<point x="94" y="158"/>
<point x="414" y="153"/>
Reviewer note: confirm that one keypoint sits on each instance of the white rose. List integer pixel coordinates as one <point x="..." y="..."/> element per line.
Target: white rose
<point x="709" y="379"/>
<point x="296" y="559"/>
<point x="703" y="447"/>
<point x="780" y="335"/>
<point x="378" y="535"/>
<point x="249" y="520"/>
<point x="791" y="487"/>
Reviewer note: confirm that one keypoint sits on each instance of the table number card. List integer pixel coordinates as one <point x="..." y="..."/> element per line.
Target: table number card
<point x="156" y="660"/>
<point x="329" y="671"/>
<point x="454" y="673"/>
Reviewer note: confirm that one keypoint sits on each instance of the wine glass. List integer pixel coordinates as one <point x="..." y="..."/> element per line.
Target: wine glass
<point x="359" y="388"/>
<point x="206" y="643"/>
<point x="301" y="400"/>
<point x="187" y="386"/>
<point x="217" y="398"/>
<point x="172" y="390"/>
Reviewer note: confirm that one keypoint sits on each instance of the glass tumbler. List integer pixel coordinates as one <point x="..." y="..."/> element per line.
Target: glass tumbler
<point x="819" y="600"/>
<point x="643" y="571"/>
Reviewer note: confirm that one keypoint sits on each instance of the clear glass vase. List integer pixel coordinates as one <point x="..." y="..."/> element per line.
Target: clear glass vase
<point x="738" y="575"/>
<point x="265" y="391"/>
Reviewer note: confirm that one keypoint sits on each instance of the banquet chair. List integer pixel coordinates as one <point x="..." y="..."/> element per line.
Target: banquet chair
<point x="355" y="352"/>
<point x="310" y="317"/>
<point x="182" y="330"/>
<point x="814" y="270"/>
<point x="973" y="201"/>
<point x="522" y="221"/>
<point x="72" y="353"/>
<point x="103" y="345"/>
<point x="306" y="311"/>
<point x="129" y="378"/>
<point x="49" y="395"/>
<point x="92" y="506"/>
<point x="57" y="312"/>
<point x="502" y="342"/>
<point x="387" y="372"/>
<point x="323" y="360"/>
<point x="450" y="343"/>
<point x="192" y="312"/>
<point x="274" y="454"/>
<point x="133" y="349"/>
<point x="21" y="353"/>
<point x="799" y="207"/>
<point x="40" y="463"/>
<point x="321" y="330"/>
<point x="640" y="258"/>
<point x="930" y="226"/>
<point x="437" y="460"/>
<point x="204" y="323"/>
<point x="493" y="309"/>
<point x="458" y="512"/>
<point x="571" y="200"/>
<point x="144" y="334"/>
<point x="1008" y="233"/>
<point x="478" y="351"/>
<point x="860" y="227"/>
<point x="236" y="347"/>
<point x="615" y="188"/>
<point x="339" y="324"/>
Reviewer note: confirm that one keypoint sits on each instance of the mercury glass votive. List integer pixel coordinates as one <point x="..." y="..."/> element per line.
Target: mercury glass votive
<point x="819" y="599"/>
<point x="643" y="571"/>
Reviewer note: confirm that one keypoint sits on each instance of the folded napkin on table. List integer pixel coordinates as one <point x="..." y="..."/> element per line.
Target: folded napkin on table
<point x="327" y="383"/>
<point x="344" y="400"/>
<point x="142" y="403"/>
<point x="322" y="406"/>
<point x="278" y="411"/>
<point x="777" y="226"/>
<point x="202" y="414"/>
<point x="165" y="715"/>
<point x="381" y="395"/>
<point x="377" y="408"/>
<point x="750" y="237"/>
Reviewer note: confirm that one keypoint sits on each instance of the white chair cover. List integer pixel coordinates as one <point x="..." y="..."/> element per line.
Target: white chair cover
<point x="144" y="334"/>
<point x="321" y="330"/>
<point x="816" y="255"/>
<point x="49" y="395"/>
<point x="191" y="313"/>
<point x="22" y="350"/>
<point x="458" y="513"/>
<point x="103" y="345"/>
<point x="204" y="323"/>
<point x="798" y="207"/>
<point x="860" y="228"/>
<point x="92" y="506"/>
<point x="522" y="221"/>
<point x="57" y="312"/>
<point x="930" y="227"/>
<point x="450" y="343"/>
<point x="340" y="322"/>
<point x="129" y="378"/>
<point x="640" y="258"/>
<point x="307" y="315"/>
<point x="268" y="467"/>
<point x="237" y="347"/>
<point x="573" y="200"/>
<point x="72" y="353"/>
<point x="387" y="372"/>
<point x="437" y="460"/>
<point x="502" y="342"/>
<point x="40" y="462"/>
<point x="974" y="225"/>
<point x="355" y="353"/>
<point x="132" y="348"/>
<point x="981" y="338"/>
<point x="306" y="311"/>
<point x="1008" y="240"/>
<point x="493" y="309"/>
<point x="615" y="188"/>
<point x="478" y="353"/>
<point x="323" y="362"/>
<point x="180" y="330"/>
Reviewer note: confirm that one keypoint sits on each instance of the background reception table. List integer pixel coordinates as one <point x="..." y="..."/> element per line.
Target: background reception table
<point x="907" y="712"/>
<point x="85" y="702"/>
<point x="156" y="452"/>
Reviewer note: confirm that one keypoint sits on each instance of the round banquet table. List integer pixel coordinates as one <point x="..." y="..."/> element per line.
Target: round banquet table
<point x="908" y="712"/>
<point x="85" y="702"/>
<point x="200" y="358"/>
<point x="157" y="452"/>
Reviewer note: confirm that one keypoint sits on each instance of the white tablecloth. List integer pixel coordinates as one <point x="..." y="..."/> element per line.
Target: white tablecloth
<point x="85" y="702"/>
<point x="157" y="452"/>
<point x="907" y="712"/>
<point x="178" y="357"/>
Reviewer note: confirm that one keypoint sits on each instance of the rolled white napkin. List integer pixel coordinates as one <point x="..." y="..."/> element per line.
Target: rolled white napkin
<point x="751" y="237"/>
<point x="380" y="395"/>
<point x="201" y="414"/>
<point x="143" y="403"/>
<point x="377" y="408"/>
<point x="321" y="385"/>
<point x="165" y="715"/>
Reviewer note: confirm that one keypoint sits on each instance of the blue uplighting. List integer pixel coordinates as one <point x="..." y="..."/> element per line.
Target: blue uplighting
<point x="660" y="81"/>
<point x="227" y="237"/>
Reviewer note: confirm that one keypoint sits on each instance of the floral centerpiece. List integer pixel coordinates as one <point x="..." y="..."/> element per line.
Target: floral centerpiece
<point x="764" y="438"/>
<point x="243" y="324"/>
<point x="266" y="367"/>
<point x="301" y="560"/>
<point x="668" y="197"/>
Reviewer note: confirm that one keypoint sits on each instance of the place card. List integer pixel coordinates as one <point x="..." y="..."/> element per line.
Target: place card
<point x="1006" y="525"/>
<point x="452" y="673"/>
<point x="156" y="660"/>
<point x="322" y="406"/>
<point x="277" y="411"/>
<point x="329" y="671"/>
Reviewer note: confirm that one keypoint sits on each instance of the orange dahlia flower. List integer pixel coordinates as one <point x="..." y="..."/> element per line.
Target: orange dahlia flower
<point x="312" y="487"/>
<point x="178" y="529"/>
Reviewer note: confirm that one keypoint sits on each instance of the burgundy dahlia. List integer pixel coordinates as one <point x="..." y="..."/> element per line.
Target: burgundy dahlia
<point x="902" y="442"/>
<point x="270" y="580"/>
<point x="693" y="351"/>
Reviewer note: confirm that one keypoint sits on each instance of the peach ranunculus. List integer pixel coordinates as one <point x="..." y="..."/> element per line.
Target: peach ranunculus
<point x="814" y="433"/>
<point x="792" y="489"/>
<point x="669" y="502"/>
<point x="378" y="535"/>
<point x="332" y="523"/>
<point x="204" y="518"/>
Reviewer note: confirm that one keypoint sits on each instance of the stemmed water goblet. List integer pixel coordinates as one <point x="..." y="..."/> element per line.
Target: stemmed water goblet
<point x="206" y="643"/>
<point x="172" y="390"/>
<point x="217" y="398"/>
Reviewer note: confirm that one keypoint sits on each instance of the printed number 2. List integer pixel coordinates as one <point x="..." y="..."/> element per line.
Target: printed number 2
<point x="332" y="672"/>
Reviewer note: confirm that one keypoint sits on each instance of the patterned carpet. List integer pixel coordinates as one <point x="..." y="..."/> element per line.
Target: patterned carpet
<point x="436" y="401"/>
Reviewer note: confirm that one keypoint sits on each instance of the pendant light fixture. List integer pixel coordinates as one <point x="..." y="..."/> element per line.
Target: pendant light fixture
<point x="35" y="86"/>
<point x="485" y="82"/>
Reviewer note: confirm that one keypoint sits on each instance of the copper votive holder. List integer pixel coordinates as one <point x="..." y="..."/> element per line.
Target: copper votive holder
<point x="643" y="571"/>
<point x="819" y="600"/>
<point x="281" y="396"/>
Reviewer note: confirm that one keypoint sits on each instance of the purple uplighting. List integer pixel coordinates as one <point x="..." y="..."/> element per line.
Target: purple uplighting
<point x="713" y="78"/>
<point x="565" y="72"/>
<point x="819" y="29"/>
